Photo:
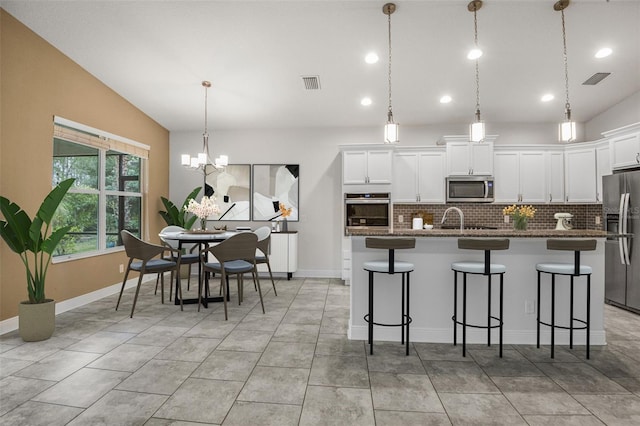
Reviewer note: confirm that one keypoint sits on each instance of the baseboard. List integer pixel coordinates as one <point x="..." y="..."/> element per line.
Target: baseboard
<point x="11" y="324"/>
<point x="510" y="337"/>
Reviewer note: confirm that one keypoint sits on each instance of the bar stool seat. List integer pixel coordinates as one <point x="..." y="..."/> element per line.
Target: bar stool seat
<point x="383" y="266"/>
<point x="478" y="267"/>
<point x="575" y="269"/>
<point x="487" y="269"/>
<point x="562" y="268"/>
<point x="390" y="266"/>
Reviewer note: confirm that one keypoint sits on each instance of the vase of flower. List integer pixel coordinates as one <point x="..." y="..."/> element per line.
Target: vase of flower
<point x="520" y="215"/>
<point x="284" y="214"/>
<point x="520" y="223"/>
<point x="205" y="208"/>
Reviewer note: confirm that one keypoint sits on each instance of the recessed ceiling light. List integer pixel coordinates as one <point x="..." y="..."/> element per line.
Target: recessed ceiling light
<point x="547" y="97"/>
<point x="365" y="101"/>
<point x="603" y="53"/>
<point x="445" y="99"/>
<point x="371" y="58"/>
<point x="474" y="53"/>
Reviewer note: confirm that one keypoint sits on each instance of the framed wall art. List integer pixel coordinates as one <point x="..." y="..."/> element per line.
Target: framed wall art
<point x="275" y="193"/>
<point x="232" y="188"/>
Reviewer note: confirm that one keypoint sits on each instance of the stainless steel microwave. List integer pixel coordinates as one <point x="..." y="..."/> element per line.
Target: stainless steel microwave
<point x="470" y="189"/>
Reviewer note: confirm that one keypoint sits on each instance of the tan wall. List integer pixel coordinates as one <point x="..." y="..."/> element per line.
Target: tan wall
<point x="36" y="83"/>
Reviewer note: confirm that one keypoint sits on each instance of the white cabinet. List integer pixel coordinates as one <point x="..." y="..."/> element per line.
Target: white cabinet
<point x="603" y="168"/>
<point x="469" y="158"/>
<point x="580" y="175"/>
<point x="366" y="167"/>
<point x="518" y="176"/>
<point x="283" y="257"/>
<point x="625" y="151"/>
<point x="418" y="177"/>
<point x="555" y="176"/>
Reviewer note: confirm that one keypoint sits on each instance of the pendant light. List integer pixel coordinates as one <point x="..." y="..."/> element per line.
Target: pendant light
<point x="566" y="129"/>
<point x="391" y="129"/>
<point x="202" y="158"/>
<point x="476" y="129"/>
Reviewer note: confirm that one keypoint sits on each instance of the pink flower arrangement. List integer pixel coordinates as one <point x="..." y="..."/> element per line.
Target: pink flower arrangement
<point x="205" y="208"/>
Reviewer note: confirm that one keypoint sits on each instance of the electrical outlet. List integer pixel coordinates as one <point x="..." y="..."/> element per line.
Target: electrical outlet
<point x="598" y="220"/>
<point x="121" y="268"/>
<point x="400" y="218"/>
<point x="529" y="307"/>
<point x="506" y="219"/>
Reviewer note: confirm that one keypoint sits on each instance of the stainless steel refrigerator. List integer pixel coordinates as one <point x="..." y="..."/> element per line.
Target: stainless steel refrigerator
<point x="621" y="204"/>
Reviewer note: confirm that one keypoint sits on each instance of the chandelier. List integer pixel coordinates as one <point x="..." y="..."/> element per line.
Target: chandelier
<point x="202" y="159"/>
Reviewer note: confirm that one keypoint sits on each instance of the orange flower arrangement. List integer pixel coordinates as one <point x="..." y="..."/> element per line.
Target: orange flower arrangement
<point x="284" y="211"/>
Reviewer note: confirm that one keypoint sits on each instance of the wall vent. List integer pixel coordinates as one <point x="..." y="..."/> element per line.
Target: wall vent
<point x="596" y="78"/>
<point x="311" y="82"/>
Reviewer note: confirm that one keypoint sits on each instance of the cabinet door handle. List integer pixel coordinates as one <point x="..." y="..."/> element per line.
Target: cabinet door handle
<point x="550" y="197"/>
<point x="566" y="198"/>
<point x="637" y="155"/>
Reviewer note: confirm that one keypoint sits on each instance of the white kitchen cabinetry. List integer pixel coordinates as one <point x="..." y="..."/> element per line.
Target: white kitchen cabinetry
<point x="624" y="144"/>
<point x="283" y="257"/>
<point x="519" y="176"/>
<point x="555" y="176"/>
<point x="580" y="175"/>
<point x="366" y="167"/>
<point x="418" y="177"/>
<point x="603" y="168"/>
<point x="469" y="158"/>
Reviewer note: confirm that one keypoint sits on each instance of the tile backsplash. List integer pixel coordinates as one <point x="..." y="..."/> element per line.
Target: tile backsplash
<point x="584" y="215"/>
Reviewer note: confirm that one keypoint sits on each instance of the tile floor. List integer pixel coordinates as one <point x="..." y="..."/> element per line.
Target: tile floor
<point x="295" y="366"/>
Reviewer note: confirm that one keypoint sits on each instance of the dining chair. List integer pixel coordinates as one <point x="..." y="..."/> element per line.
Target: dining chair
<point x="188" y="257"/>
<point x="142" y="258"/>
<point x="264" y="246"/>
<point x="235" y="256"/>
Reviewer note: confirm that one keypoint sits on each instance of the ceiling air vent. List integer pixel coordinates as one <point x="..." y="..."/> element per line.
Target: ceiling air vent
<point x="596" y="78"/>
<point x="311" y="82"/>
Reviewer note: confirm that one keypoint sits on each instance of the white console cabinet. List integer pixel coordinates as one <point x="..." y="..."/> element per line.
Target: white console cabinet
<point x="284" y="253"/>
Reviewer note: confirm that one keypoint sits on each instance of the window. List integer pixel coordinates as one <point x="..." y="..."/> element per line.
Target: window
<point x="107" y="194"/>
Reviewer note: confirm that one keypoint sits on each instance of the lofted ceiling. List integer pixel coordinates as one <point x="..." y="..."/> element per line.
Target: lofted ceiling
<point x="156" y="53"/>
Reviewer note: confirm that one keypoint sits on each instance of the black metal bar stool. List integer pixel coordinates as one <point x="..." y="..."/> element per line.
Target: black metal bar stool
<point x="574" y="269"/>
<point x="390" y="266"/>
<point x="478" y="268"/>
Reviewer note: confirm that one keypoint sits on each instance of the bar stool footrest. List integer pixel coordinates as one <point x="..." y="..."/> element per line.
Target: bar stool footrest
<point x="500" y="323"/>
<point x="407" y="321"/>
<point x="582" y="327"/>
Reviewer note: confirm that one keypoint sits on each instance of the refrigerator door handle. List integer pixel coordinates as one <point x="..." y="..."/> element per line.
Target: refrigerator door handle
<point x="625" y="228"/>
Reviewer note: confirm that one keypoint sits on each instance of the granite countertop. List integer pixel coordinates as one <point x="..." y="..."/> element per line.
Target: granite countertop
<point x="482" y="233"/>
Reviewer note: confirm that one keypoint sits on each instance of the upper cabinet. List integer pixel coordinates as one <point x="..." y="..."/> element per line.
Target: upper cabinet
<point x="580" y="174"/>
<point x="518" y="176"/>
<point x="555" y="176"/>
<point x="603" y="168"/>
<point x="418" y="177"/>
<point x="624" y="146"/>
<point x="366" y="167"/>
<point x="469" y="158"/>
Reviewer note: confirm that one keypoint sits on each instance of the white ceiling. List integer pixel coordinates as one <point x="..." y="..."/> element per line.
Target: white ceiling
<point x="156" y="53"/>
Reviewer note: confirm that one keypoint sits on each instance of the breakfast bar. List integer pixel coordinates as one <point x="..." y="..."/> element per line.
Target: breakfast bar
<point x="432" y="286"/>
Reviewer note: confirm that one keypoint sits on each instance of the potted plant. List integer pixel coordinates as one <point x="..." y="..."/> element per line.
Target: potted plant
<point x="178" y="216"/>
<point x="35" y="245"/>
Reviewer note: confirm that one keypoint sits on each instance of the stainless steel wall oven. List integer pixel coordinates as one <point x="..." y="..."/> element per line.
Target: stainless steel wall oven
<point x="367" y="210"/>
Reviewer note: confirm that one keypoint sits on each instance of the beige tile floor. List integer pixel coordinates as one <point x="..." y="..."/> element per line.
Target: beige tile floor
<point x="295" y="366"/>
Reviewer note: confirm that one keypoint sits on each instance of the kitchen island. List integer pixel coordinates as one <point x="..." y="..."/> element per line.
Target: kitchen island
<point x="432" y="286"/>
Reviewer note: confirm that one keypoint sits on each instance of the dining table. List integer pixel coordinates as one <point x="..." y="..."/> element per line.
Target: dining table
<point x="203" y="239"/>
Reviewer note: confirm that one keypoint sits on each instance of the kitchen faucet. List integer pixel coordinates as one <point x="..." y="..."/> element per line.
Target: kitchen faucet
<point x="444" y="216"/>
